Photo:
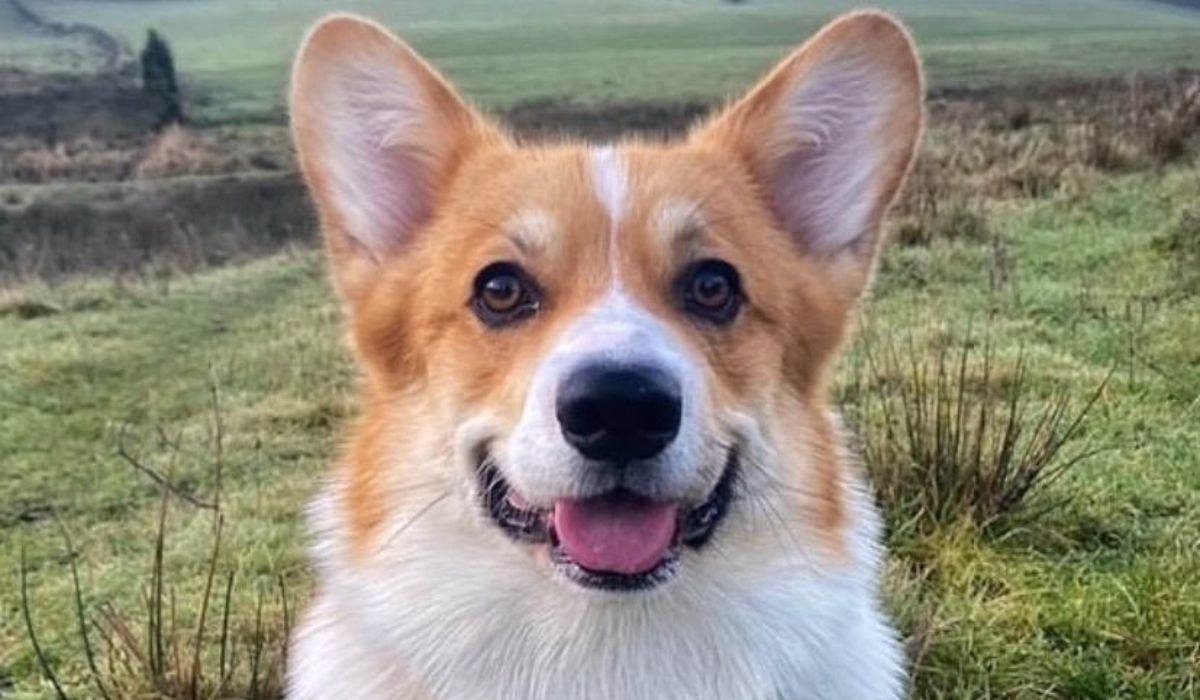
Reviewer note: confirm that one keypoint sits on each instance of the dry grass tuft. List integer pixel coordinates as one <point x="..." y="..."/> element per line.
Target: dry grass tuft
<point x="956" y="436"/>
<point x="28" y="160"/>
<point x="154" y="651"/>
<point x="1169" y="122"/>
<point x="174" y="152"/>
<point x="1006" y="145"/>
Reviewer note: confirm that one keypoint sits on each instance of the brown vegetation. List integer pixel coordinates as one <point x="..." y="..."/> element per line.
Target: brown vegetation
<point x="130" y="227"/>
<point x="1009" y="144"/>
<point x="206" y="194"/>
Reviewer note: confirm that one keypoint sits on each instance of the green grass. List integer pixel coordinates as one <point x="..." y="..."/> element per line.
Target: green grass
<point x="1098" y="599"/>
<point x="263" y="334"/>
<point x="501" y="54"/>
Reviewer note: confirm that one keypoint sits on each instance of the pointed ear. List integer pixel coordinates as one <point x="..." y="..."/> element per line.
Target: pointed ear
<point x="830" y="133"/>
<point x="378" y="132"/>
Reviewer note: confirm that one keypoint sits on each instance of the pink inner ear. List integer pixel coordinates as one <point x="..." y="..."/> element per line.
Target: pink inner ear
<point x="828" y="155"/>
<point x="823" y="198"/>
<point x="379" y="170"/>
<point x="385" y="197"/>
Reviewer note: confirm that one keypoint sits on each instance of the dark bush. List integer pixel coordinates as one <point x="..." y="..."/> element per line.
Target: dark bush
<point x="159" y="80"/>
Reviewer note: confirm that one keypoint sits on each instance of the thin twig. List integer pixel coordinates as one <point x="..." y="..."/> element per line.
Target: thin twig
<point x="219" y="440"/>
<point x="159" y="479"/>
<point x="223" y="676"/>
<point x="47" y="669"/>
<point x="81" y="618"/>
<point x="197" y="661"/>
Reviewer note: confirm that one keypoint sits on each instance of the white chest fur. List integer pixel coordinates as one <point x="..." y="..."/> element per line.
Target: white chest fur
<point x="457" y="614"/>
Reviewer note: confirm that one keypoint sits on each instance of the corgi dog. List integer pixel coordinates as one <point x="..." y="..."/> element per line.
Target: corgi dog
<point x="595" y="459"/>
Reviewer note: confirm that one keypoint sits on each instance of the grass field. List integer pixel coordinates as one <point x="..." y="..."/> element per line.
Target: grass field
<point x="501" y="54"/>
<point x="1063" y="230"/>
<point x="1099" y="599"/>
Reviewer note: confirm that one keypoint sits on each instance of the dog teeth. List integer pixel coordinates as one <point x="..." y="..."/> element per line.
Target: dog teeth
<point x="525" y="524"/>
<point x="700" y="520"/>
<point x="516" y="500"/>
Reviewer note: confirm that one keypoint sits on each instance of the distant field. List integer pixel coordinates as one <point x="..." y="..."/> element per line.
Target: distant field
<point x="503" y="53"/>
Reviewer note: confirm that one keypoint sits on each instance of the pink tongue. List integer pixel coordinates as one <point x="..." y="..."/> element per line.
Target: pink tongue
<point x="616" y="533"/>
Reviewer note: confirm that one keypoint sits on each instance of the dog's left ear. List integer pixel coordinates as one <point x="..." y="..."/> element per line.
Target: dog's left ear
<point x="829" y="135"/>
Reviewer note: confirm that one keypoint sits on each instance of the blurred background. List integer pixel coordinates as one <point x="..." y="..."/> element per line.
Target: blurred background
<point x="1026" y="380"/>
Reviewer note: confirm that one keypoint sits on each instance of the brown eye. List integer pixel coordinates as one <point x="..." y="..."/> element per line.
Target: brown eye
<point x="712" y="290"/>
<point x="502" y="294"/>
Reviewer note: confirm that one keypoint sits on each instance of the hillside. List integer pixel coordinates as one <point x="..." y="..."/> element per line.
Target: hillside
<point x="236" y="52"/>
<point x="21" y="46"/>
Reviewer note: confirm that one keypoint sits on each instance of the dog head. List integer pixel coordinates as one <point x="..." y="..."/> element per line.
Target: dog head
<point x="615" y="355"/>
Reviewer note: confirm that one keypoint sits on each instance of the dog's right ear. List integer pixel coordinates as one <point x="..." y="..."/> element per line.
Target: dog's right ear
<point x="378" y="133"/>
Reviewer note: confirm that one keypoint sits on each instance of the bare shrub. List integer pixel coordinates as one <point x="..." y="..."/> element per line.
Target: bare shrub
<point x="1169" y="126"/>
<point x="1107" y="148"/>
<point x="155" y="651"/>
<point x="934" y="208"/>
<point x="1154" y="124"/>
<point x="952" y="438"/>
<point x="28" y="160"/>
<point x="1014" y="115"/>
<point x="990" y="145"/>
<point x="958" y="219"/>
<point x="127" y="227"/>
<point x="176" y="152"/>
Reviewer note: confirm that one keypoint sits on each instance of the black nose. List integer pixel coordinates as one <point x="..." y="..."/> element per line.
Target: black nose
<point x="621" y="413"/>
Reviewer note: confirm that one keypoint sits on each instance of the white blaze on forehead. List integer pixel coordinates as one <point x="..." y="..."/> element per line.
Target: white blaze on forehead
<point x="619" y="330"/>
<point x="611" y="182"/>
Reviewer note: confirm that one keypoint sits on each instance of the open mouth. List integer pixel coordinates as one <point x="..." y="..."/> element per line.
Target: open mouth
<point x="615" y="541"/>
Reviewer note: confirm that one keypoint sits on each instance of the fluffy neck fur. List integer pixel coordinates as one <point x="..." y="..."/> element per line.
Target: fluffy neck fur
<point x="450" y="610"/>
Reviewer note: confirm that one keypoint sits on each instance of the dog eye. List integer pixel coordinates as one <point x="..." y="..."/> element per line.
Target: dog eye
<point x="712" y="290"/>
<point x="503" y="294"/>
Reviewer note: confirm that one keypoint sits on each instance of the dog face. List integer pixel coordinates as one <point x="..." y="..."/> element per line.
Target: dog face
<point x="614" y="355"/>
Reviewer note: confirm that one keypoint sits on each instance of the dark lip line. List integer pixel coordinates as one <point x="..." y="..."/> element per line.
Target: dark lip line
<point x="696" y="527"/>
<point x="663" y="572"/>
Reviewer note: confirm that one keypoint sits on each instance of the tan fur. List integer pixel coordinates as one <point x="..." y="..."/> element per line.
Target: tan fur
<point x="409" y="319"/>
<point x="427" y="361"/>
